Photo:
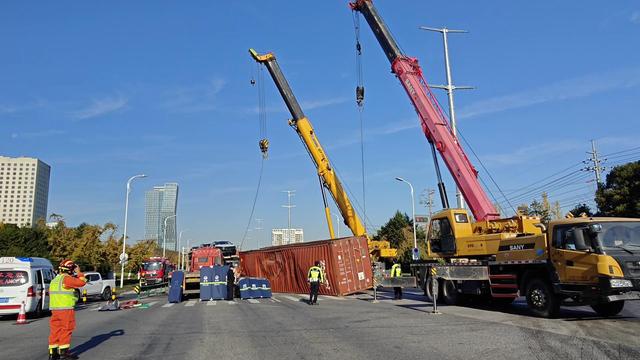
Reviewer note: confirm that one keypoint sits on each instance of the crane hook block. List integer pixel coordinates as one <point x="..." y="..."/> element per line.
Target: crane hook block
<point x="264" y="147"/>
<point x="253" y="81"/>
<point x="359" y="95"/>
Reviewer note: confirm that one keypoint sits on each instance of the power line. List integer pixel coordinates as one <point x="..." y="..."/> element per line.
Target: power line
<point x="546" y="178"/>
<point x="621" y="151"/>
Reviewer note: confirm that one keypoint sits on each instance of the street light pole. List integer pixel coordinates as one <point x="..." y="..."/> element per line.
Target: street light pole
<point x="164" y="236"/>
<point x="179" y="246"/>
<point x="413" y="207"/>
<point x="126" y="218"/>
<point x="186" y="254"/>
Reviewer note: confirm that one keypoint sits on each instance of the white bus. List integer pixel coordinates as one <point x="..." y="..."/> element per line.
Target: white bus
<point x="25" y="279"/>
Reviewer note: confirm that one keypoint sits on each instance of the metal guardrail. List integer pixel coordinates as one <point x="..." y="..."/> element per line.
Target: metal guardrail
<point x="146" y="290"/>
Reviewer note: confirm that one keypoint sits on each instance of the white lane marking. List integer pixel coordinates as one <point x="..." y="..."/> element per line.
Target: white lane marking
<point x="253" y="301"/>
<point x="190" y="303"/>
<point x="167" y="305"/>
<point x="274" y="300"/>
<point x="231" y="302"/>
<point x="211" y="303"/>
<point x="290" y="298"/>
<point x="152" y="303"/>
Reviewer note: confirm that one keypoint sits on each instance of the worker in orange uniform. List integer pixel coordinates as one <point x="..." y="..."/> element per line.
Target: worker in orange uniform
<point x="62" y="301"/>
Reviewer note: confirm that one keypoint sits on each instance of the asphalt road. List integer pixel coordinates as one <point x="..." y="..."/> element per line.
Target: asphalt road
<point x="353" y="327"/>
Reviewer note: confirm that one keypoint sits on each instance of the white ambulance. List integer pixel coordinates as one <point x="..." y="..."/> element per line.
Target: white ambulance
<point x="25" y="279"/>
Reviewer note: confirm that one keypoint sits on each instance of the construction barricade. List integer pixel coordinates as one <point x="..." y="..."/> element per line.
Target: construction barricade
<point x="175" y="290"/>
<point x="252" y="288"/>
<point x="213" y="282"/>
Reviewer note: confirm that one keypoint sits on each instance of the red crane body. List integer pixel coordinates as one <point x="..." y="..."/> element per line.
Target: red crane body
<point x="434" y="123"/>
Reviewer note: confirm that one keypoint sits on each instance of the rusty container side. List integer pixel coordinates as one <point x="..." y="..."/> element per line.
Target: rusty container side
<point x="348" y="266"/>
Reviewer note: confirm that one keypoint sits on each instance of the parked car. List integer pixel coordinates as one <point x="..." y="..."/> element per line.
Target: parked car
<point x="97" y="286"/>
<point x="25" y="279"/>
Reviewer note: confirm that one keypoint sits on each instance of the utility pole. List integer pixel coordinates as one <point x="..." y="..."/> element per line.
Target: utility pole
<point x="290" y="193"/>
<point x="450" y="89"/>
<point x="427" y="200"/>
<point x="595" y="162"/>
<point x="259" y="229"/>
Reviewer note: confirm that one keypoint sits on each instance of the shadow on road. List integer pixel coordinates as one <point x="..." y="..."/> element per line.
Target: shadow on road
<point x="518" y="307"/>
<point x="95" y="341"/>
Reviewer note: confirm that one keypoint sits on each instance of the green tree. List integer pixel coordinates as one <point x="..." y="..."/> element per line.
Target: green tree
<point x="111" y="248"/>
<point x="87" y="250"/>
<point x="620" y="195"/>
<point x="392" y="231"/>
<point x="581" y="209"/>
<point x="399" y="232"/>
<point x="141" y="250"/>
<point x="23" y="241"/>
<point x="61" y="241"/>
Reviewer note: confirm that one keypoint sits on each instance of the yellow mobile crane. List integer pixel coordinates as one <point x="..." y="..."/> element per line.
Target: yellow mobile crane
<point x="326" y="174"/>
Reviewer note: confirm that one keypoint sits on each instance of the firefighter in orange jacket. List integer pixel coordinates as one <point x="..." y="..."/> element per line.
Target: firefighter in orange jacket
<point x="62" y="301"/>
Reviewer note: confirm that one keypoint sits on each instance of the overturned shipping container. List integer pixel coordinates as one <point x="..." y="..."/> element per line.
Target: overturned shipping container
<point x="348" y="266"/>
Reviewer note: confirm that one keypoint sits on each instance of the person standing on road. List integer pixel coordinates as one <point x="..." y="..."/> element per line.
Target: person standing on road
<point x="315" y="277"/>
<point x="396" y="272"/>
<point x="62" y="301"/>
<point x="231" y="282"/>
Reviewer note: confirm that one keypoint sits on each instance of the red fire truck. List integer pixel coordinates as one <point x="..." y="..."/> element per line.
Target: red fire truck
<point x="155" y="270"/>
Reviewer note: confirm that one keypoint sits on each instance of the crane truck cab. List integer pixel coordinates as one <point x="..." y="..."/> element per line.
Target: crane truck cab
<point x="572" y="262"/>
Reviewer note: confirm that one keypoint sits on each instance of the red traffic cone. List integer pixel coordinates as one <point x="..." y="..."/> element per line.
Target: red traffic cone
<point x="22" y="316"/>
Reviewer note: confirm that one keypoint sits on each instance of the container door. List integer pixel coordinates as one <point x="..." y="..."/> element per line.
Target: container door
<point x="360" y="254"/>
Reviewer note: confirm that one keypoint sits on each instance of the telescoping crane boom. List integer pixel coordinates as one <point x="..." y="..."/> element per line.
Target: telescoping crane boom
<point x="326" y="174"/>
<point x="434" y="123"/>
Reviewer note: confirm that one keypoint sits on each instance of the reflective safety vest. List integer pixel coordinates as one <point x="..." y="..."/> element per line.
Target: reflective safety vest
<point x="396" y="270"/>
<point x="61" y="298"/>
<point x="315" y="274"/>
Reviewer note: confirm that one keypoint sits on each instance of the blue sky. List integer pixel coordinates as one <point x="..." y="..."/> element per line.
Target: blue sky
<point x="102" y="92"/>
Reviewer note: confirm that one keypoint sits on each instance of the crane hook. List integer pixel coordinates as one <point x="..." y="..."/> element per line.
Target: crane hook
<point x="264" y="147"/>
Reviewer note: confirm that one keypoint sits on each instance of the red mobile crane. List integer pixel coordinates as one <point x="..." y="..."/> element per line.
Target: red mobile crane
<point x="433" y="121"/>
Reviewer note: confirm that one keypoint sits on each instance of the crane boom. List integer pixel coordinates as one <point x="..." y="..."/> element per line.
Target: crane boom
<point x="433" y="121"/>
<point x="307" y="134"/>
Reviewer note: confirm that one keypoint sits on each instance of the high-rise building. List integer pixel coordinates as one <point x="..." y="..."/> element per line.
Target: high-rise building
<point x="286" y="236"/>
<point x="24" y="190"/>
<point x="160" y="203"/>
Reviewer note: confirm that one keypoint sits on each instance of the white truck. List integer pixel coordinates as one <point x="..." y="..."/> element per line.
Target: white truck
<point x="97" y="286"/>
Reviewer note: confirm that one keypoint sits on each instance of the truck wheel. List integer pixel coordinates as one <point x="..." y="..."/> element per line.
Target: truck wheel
<point x="106" y="293"/>
<point x="608" y="309"/>
<point x="450" y="293"/>
<point x="541" y="299"/>
<point x="428" y="288"/>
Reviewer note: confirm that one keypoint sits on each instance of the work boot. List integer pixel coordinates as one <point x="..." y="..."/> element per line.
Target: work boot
<point x="66" y="355"/>
<point x="53" y="354"/>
